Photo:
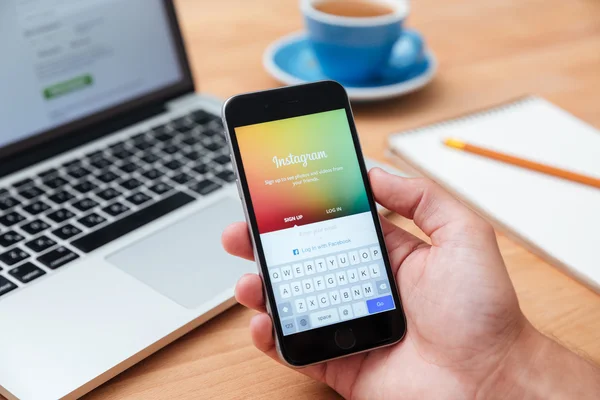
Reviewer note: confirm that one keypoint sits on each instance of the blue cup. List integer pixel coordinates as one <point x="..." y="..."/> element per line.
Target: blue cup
<point x="360" y="49"/>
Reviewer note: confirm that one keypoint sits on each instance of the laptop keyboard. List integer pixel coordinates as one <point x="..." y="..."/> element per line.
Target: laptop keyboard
<point x="59" y="215"/>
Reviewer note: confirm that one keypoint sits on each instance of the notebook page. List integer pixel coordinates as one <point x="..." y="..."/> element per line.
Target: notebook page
<point x="559" y="217"/>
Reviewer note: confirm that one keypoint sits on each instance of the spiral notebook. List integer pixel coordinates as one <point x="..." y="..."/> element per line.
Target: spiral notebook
<point x="557" y="219"/>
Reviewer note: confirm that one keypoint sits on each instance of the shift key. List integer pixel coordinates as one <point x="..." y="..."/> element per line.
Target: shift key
<point x="57" y="258"/>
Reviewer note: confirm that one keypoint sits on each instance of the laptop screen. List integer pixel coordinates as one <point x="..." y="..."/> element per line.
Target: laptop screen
<point x="63" y="60"/>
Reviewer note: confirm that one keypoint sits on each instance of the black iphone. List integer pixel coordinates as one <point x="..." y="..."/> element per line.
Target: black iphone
<point x="317" y="238"/>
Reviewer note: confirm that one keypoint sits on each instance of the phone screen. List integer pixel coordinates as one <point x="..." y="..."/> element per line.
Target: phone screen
<point x="314" y="219"/>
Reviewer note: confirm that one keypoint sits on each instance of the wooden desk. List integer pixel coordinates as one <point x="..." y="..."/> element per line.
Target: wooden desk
<point x="489" y="51"/>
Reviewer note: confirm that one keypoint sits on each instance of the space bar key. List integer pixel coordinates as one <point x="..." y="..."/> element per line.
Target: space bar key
<point x="130" y="223"/>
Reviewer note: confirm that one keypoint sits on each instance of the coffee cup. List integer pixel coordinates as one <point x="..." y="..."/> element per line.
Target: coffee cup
<point x="353" y="40"/>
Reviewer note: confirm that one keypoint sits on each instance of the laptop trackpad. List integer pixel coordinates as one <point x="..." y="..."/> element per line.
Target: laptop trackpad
<point x="185" y="261"/>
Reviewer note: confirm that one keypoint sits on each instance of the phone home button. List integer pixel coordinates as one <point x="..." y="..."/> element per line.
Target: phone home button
<point x="345" y="338"/>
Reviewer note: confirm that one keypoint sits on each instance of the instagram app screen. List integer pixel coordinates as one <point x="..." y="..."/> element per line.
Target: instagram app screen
<point x="314" y="220"/>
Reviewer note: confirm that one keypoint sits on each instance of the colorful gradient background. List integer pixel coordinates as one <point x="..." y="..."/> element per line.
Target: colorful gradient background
<point x="327" y="131"/>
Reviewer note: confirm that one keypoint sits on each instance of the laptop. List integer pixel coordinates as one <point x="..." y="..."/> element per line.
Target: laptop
<point x="115" y="186"/>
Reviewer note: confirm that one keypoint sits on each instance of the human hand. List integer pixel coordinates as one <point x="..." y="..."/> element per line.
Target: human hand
<point x="463" y="317"/>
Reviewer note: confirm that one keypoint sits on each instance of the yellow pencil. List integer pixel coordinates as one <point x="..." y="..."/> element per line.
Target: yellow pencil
<point x="532" y="165"/>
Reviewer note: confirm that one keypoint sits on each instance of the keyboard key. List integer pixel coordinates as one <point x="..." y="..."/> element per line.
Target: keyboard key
<point x="55" y="182"/>
<point x="47" y="173"/>
<point x="161" y="188"/>
<point x="214" y="146"/>
<point x="170" y="149"/>
<point x="9" y="238"/>
<point x="138" y="198"/>
<point x="192" y="155"/>
<point x="13" y="256"/>
<point x="31" y="192"/>
<point x="100" y="163"/>
<point x="140" y="137"/>
<point x="66" y="232"/>
<point x="122" y="154"/>
<point x="57" y="258"/>
<point x="205" y="187"/>
<point x="91" y="220"/>
<point x="35" y="227"/>
<point x="325" y="317"/>
<point x="22" y="183"/>
<point x="227" y="175"/>
<point x="191" y="140"/>
<point x="84" y="187"/>
<point x="40" y="244"/>
<point x="222" y="159"/>
<point x="84" y="204"/>
<point x="11" y="218"/>
<point x="152" y="174"/>
<point x="61" y="197"/>
<point x="36" y="207"/>
<point x="173" y="165"/>
<point x="143" y="146"/>
<point x="180" y="123"/>
<point x="132" y="222"/>
<point x="78" y="172"/>
<point x="95" y="154"/>
<point x="201" y="168"/>
<point x="285" y="310"/>
<point x="72" y="163"/>
<point x="7" y="203"/>
<point x="131" y="184"/>
<point x="210" y="132"/>
<point x="26" y="272"/>
<point x="181" y="178"/>
<point x="6" y="286"/>
<point x="107" y="176"/>
<point x="129" y="167"/>
<point x="150" y="158"/>
<point x="108" y="194"/>
<point x="117" y="146"/>
<point x="115" y="209"/>
<point x="380" y="304"/>
<point x="60" y="215"/>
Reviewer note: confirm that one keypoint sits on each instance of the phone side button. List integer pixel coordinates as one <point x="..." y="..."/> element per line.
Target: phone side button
<point x="345" y="338"/>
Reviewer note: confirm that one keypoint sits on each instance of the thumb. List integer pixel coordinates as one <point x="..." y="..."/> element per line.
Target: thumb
<point x="439" y="215"/>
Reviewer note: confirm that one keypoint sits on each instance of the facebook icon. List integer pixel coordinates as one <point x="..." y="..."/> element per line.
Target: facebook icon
<point x="296" y="252"/>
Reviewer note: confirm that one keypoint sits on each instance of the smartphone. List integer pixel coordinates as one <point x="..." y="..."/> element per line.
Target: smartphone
<point x="313" y="221"/>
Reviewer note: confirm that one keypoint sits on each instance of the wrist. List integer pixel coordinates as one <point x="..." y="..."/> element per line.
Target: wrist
<point x="536" y="367"/>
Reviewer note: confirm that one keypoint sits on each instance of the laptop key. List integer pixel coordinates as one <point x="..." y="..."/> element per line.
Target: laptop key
<point x="107" y="176"/>
<point x="222" y="159"/>
<point x="48" y="173"/>
<point x="150" y="158"/>
<point x="9" y="238"/>
<point x="84" y="187"/>
<point x="6" y="286"/>
<point x="153" y="174"/>
<point x="182" y="178"/>
<point x="143" y="146"/>
<point x="57" y="258"/>
<point x="61" y="215"/>
<point x="78" y="172"/>
<point x="40" y="244"/>
<point x="201" y="116"/>
<point x="84" y="204"/>
<point x="31" y="192"/>
<point x="7" y="203"/>
<point x="115" y="209"/>
<point x="55" y="182"/>
<point x="36" y="207"/>
<point x="201" y="168"/>
<point x="122" y="154"/>
<point x="91" y="220"/>
<point x="132" y="222"/>
<point x="161" y="188"/>
<point x="22" y="183"/>
<point x="66" y="232"/>
<point x="227" y="175"/>
<point x="13" y="256"/>
<point x="214" y="146"/>
<point x="192" y="155"/>
<point x="61" y="197"/>
<point x="34" y="227"/>
<point x="129" y="167"/>
<point x="11" y="218"/>
<point x="71" y="164"/>
<point x="204" y="187"/>
<point x="170" y="149"/>
<point x="173" y="165"/>
<point x="131" y="184"/>
<point x="26" y="273"/>
<point x="138" y="198"/>
<point x="108" y="194"/>
<point x="100" y="163"/>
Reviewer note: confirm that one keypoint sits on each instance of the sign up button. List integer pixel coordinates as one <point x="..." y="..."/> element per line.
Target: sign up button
<point x="68" y="86"/>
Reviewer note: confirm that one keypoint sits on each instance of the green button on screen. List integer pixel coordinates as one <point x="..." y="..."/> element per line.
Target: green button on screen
<point x="65" y="87"/>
